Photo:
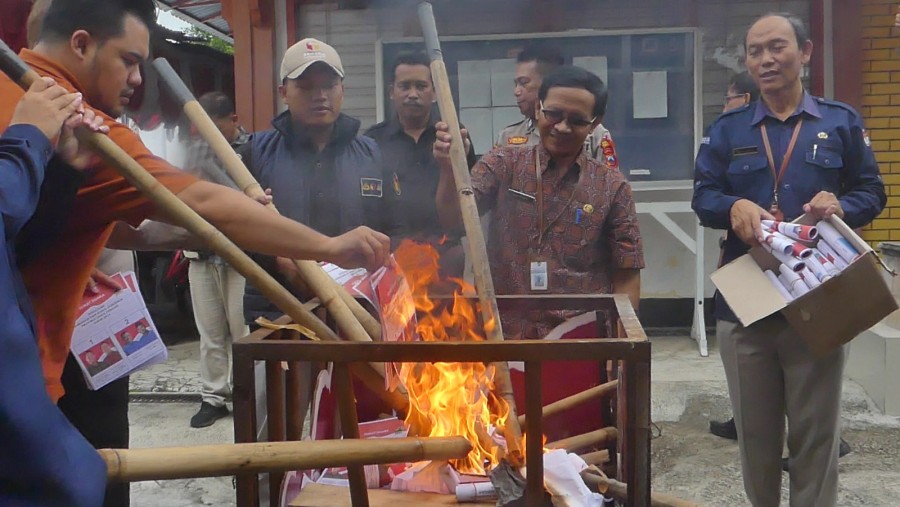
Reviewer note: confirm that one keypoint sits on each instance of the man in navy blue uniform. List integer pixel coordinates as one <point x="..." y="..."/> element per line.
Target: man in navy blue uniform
<point x="44" y="460"/>
<point x="788" y="154"/>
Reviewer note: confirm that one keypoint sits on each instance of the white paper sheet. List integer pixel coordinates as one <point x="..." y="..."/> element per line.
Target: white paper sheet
<point x="595" y="64"/>
<point x="650" y="93"/>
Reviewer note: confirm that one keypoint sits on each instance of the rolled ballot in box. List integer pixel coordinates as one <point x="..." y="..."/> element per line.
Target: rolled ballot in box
<point x="778" y="242"/>
<point x="793" y="231"/>
<point x="821" y="266"/>
<point x="793" y="281"/>
<point x="810" y="278"/>
<point x="779" y="286"/>
<point x="837" y="242"/>
<point x="787" y="259"/>
<point x="831" y="255"/>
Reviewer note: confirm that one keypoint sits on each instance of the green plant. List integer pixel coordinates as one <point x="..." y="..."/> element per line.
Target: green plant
<point x="210" y="40"/>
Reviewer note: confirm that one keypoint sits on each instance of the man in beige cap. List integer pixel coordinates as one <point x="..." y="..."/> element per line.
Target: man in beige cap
<point x="322" y="172"/>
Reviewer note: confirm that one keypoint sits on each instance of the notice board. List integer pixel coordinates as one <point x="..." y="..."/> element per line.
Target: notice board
<point x="654" y="132"/>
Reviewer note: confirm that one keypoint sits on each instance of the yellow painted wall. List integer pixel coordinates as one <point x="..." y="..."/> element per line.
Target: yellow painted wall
<point x="881" y="107"/>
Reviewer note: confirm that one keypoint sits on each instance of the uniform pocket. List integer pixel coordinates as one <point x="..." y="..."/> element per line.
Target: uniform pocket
<point x="825" y="157"/>
<point x="745" y="171"/>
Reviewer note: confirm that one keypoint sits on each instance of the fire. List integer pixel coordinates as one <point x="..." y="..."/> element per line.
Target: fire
<point x="449" y="399"/>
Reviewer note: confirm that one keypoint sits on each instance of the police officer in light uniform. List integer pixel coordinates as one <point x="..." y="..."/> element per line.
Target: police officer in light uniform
<point x="532" y="64"/>
<point x="788" y="154"/>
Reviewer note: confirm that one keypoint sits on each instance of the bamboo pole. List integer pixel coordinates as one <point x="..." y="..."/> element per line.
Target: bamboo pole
<point x="575" y="400"/>
<point x="355" y="322"/>
<point x="165" y="200"/>
<point x="472" y="223"/>
<point x="596" y="457"/>
<point x="619" y="490"/>
<point x="134" y="465"/>
<point x="598" y="437"/>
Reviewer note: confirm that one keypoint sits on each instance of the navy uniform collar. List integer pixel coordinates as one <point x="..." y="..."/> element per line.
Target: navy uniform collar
<point x="807" y="105"/>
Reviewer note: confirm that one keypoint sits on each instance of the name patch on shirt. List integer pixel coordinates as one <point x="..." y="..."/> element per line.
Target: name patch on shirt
<point x="371" y="187"/>
<point x="517" y="140"/>
<point x="746" y="150"/>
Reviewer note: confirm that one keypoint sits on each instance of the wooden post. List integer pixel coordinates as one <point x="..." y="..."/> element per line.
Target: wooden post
<point x="295" y="412"/>
<point x="275" y="420"/>
<point x="472" y="222"/>
<point x="244" y="394"/>
<point x="350" y="429"/>
<point x="534" y="443"/>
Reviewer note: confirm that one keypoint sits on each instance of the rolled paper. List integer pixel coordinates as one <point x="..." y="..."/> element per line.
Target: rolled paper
<point x="779" y="286"/>
<point x="837" y="242"/>
<point x="778" y="242"/>
<point x="800" y="250"/>
<point x="793" y="282"/>
<point x="830" y="254"/>
<point x="795" y="231"/>
<point x="822" y="267"/>
<point x="787" y="259"/>
<point x="810" y="278"/>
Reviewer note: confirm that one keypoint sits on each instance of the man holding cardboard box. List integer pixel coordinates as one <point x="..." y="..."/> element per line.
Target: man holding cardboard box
<point x="786" y="155"/>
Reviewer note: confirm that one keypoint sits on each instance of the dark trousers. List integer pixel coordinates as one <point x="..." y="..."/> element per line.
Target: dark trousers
<point x="101" y="416"/>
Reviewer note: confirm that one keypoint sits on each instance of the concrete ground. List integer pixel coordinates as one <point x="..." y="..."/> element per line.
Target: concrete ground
<point x="687" y="461"/>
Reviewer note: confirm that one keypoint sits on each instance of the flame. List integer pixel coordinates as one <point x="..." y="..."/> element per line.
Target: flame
<point x="449" y="399"/>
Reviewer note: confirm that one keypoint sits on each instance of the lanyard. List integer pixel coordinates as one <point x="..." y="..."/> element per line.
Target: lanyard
<point x="540" y="199"/>
<point x="784" y="162"/>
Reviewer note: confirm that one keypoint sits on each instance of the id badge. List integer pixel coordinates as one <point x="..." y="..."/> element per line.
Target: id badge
<point x="539" y="279"/>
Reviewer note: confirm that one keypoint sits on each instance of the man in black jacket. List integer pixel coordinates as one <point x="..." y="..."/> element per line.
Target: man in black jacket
<point x="321" y="171"/>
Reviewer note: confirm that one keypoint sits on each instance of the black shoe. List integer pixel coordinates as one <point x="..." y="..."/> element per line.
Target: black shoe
<point x="844" y="450"/>
<point x="207" y="415"/>
<point x="724" y="429"/>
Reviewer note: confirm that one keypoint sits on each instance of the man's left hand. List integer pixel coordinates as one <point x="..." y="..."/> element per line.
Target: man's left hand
<point x="823" y="206"/>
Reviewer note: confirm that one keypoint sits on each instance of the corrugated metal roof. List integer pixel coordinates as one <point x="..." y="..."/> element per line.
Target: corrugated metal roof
<point x="205" y="14"/>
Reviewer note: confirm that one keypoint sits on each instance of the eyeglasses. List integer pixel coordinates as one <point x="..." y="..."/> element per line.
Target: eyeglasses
<point x="729" y="98"/>
<point x="555" y="116"/>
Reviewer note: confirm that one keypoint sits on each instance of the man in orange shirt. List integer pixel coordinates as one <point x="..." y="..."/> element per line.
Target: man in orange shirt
<point x="97" y="47"/>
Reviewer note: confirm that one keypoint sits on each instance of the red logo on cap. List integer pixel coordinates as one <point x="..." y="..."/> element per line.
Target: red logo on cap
<point x="310" y="46"/>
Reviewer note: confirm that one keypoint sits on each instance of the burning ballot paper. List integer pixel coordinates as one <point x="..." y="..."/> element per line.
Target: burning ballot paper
<point x="793" y="231"/>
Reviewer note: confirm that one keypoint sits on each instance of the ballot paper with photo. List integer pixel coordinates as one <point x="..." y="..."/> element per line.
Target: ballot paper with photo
<point x="387" y="290"/>
<point x="114" y="334"/>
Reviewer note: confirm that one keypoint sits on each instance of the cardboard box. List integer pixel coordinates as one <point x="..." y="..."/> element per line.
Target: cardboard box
<point x="829" y="315"/>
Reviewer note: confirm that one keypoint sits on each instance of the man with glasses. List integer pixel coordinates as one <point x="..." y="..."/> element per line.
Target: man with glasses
<point x="741" y="91"/>
<point x="322" y="172"/>
<point x="532" y="64"/>
<point x="562" y="222"/>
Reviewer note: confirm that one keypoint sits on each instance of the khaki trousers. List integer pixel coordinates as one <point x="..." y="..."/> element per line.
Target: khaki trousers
<point x="217" y="296"/>
<point x="772" y="374"/>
